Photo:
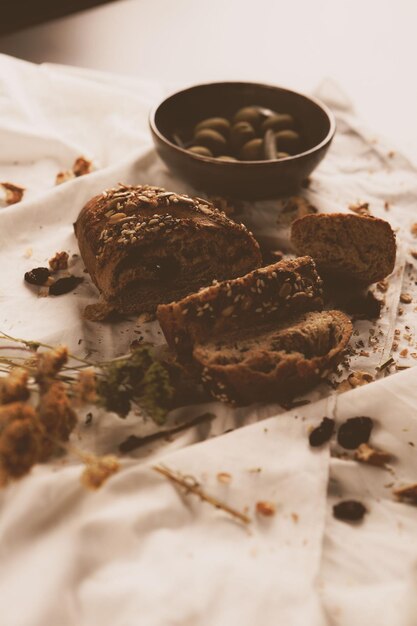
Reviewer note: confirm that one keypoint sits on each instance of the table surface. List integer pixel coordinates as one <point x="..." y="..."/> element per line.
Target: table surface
<point x="18" y="14"/>
<point x="368" y="47"/>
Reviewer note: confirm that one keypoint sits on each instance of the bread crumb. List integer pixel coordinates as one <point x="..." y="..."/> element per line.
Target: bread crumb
<point x="224" y="477"/>
<point x="98" y="312"/>
<point x="82" y="166"/>
<point x="405" y="298"/>
<point x="407" y="493"/>
<point x="358" y="378"/>
<point x="145" y="318"/>
<point x="13" y="193"/>
<point x="404" y="352"/>
<point x="296" y="207"/>
<point x="226" y="205"/>
<point x="413" y="229"/>
<point x="64" y="176"/>
<point x="366" y="454"/>
<point x="361" y="208"/>
<point x="59" y="261"/>
<point x="382" y="285"/>
<point x="265" y="508"/>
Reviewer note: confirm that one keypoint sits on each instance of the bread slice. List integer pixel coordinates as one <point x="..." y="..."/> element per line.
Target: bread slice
<point x="354" y="247"/>
<point x="273" y="362"/>
<point x="269" y="293"/>
<point x="143" y="246"/>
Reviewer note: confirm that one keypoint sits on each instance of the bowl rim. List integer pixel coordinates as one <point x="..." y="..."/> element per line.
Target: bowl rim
<point x="212" y="160"/>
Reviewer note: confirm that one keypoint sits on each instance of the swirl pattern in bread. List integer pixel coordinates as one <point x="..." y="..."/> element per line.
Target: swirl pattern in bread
<point x="144" y="246"/>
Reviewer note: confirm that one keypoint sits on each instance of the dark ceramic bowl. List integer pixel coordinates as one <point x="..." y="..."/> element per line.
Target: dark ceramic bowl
<point x="178" y="114"/>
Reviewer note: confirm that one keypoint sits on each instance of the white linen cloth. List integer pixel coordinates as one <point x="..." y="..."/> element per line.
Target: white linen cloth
<point x="138" y="552"/>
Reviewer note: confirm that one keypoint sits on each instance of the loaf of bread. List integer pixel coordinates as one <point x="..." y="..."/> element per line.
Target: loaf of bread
<point x="357" y="248"/>
<point x="269" y="293"/>
<point x="274" y="362"/>
<point x="144" y="246"/>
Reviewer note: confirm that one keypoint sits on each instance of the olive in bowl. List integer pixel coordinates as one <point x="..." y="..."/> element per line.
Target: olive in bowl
<point x="242" y="140"/>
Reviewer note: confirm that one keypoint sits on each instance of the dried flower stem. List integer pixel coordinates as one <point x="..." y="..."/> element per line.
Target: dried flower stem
<point x="190" y="484"/>
<point x="133" y="442"/>
<point x="386" y="364"/>
<point x="33" y="345"/>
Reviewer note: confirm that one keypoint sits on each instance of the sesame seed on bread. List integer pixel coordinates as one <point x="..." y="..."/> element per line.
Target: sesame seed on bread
<point x="261" y="337"/>
<point x="272" y="292"/>
<point x="143" y="246"/>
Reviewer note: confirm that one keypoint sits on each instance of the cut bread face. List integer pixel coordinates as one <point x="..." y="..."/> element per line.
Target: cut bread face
<point x="360" y="249"/>
<point x="269" y="293"/>
<point x="176" y="264"/>
<point x="276" y="361"/>
<point x="144" y="246"/>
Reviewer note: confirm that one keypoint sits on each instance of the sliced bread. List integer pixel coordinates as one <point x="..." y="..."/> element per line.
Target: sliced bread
<point x="360" y="249"/>
<point x="269" y="293"/>
<point x="273" y="362"/>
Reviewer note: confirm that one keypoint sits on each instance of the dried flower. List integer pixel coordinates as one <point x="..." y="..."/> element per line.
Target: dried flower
<point x="98" y="469"/>
<point x="20" y="440"/>
<point x="84" y="390"/>
<point x="138" y="378"/>
<point x="57" y="417"/>
<point x="50" y="363"/>
<point x="191" y="485"/>
<point x="14" y="386"/>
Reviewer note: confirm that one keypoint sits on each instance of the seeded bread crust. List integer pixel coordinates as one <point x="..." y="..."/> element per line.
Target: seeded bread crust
<point x="275" y="362"/>
<point x="360" y="249"/>
<point x="143" y="245"/>
<point x="269" y="293"/>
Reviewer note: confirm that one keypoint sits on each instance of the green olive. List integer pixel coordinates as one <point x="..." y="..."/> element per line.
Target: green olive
<point x="248" y="114"/>
<point x="288" y="141"/>
<point x="241" y="133"/>
<point x="221" y="124"/>
<point x="212" y="140"/>
<point x="252" y="150"/>
<point x="201" y="150"/>
<point x="279" y="121"/>
<point x="225" y="157"/>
